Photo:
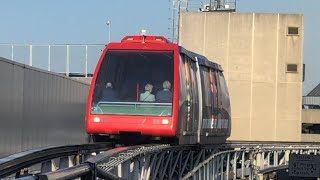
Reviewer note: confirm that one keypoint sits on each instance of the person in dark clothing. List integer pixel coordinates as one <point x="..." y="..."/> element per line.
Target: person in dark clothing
<point x="165" y="95"/>
<point x="108" y="93"/>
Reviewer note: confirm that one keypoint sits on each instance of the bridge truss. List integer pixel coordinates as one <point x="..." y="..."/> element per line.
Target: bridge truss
<point x="226" y="161"/>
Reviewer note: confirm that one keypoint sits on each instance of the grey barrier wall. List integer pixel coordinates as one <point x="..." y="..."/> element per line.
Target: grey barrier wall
<point x="39" y="108"/>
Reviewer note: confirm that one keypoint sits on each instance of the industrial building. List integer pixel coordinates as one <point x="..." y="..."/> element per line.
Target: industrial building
<point x="262" y="56"/>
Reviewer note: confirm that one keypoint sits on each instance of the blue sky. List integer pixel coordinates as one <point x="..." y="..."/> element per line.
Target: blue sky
<point x="84" y="21"/>
<point x="80" y="21"/>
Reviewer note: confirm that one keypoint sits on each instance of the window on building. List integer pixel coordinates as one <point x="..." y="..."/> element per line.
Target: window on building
<point x="292" y="68"/>
<point x="293" y="31"/>
<point x="310" y="128"/>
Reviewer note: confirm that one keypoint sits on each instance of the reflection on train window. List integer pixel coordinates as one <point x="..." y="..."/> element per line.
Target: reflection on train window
<point x="194" y="99"/>
<point x="189" y="108"/>
<point x="214" y="97"/>
<point x="225" y="101"/>
<point x="206" y="95"/>
<point x="129" y="72"/>
<point x="218" y="85"/>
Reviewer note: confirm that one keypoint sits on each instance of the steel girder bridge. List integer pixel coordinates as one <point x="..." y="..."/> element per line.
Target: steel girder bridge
<point x="234" y="160"/>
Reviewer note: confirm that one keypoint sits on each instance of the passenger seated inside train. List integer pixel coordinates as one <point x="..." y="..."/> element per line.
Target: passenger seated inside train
<point x="147" y="96"/>
<point x="129" y="73"/>
<point x="164" y="95"/>
<point x="108" y="93"/>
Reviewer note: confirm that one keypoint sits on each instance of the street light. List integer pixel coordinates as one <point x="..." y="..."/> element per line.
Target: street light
<point x="109" y="26"/>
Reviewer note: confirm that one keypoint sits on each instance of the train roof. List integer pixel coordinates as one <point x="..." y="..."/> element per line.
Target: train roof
<point x="202" y="60"/>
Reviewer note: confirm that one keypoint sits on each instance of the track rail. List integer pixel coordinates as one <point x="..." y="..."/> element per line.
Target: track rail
<point x="116" y="163"/>
<point x="14" y="163"/>
<point x="89" y="169"/>
<point x="250" y="162"/>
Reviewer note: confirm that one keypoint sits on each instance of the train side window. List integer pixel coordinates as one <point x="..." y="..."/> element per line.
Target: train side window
<point x="194" y="87"/>
<point x="206" y="93"/>
<point x="225" y="102"/>
<point x="220" y="89"/>
<point x="183" y="81"/>
<point x="223" y="83"/>
<point x="214" y="95"/>
<point x="189" y="108"/>
<point x="218" y="85"/>
<point x="194" y="82"/>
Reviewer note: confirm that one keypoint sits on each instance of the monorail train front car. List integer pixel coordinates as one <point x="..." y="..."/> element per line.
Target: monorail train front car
<point x="145" y="88"/>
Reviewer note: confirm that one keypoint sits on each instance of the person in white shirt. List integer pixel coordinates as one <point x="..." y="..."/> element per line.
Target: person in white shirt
<point x="147" y="96"/>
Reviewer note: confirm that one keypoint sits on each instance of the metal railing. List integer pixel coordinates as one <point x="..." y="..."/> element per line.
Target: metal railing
<point x="311" y="100"/>
<point x="67" y="156"/>
<point x="244" y="163"/>
<point x="81" y="57"/>
<point x="154" y="162"/>
<point x="224" y="161"/>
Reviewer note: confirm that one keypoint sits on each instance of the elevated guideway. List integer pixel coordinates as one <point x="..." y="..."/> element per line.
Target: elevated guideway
<point x="232" y="160"/>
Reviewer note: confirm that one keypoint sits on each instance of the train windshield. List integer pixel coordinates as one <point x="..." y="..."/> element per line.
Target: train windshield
<point x="134" y="83"/>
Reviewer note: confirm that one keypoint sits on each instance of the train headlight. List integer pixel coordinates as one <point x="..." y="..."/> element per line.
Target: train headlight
<point x="165" y="121"/>
<point x="96" y="119"/>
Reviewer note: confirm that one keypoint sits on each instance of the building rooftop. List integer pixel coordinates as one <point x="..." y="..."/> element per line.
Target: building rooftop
<point x="315" y="91"/>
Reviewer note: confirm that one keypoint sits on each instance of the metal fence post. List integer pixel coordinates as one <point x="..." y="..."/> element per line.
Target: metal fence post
<point x="275" y="158"/>
<point x="228" y="166"/>
<point x="49" y="58"/>
<point x="12" y="52"/>
<point x="68" y="61"/>
<point x="286" y="156"/>
<point x="30" y="55"/>
<point x="221" y="167"/>
<point x="235" y="165"/>
<point x="86" y="70"/>
<point x="242" y="165"/>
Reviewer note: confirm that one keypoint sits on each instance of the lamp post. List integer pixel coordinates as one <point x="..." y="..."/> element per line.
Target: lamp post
<point x="109" y="26"/>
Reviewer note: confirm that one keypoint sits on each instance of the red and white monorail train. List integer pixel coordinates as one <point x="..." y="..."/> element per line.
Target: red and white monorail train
<point x="198" y="110"/>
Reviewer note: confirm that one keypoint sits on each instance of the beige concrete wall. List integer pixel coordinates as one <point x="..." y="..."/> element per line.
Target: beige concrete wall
<point x="84" y="79"/>
<point x="311" y="116"/>
<point x="253" y="49"/>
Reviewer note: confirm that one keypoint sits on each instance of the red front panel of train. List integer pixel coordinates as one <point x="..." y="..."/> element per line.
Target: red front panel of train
<point x="130" y="69"/>
<point x="107" y="124"/>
